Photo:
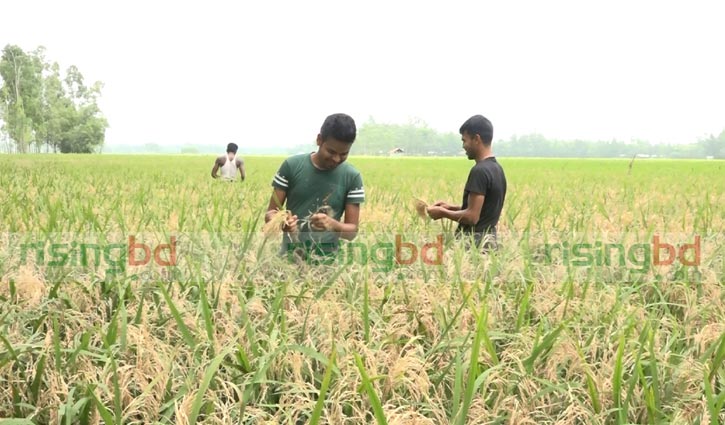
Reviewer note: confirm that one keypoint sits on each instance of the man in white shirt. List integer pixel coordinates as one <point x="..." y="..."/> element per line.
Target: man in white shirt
<point x="229" y="164"/>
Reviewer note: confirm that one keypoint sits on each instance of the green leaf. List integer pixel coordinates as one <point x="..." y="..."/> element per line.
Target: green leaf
<point x="208" y="376"/>
<point x="317" y="412"/>
<point x="368" y="387"/>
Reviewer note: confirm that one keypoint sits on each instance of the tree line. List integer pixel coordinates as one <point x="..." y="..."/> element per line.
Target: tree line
<point x="417" y="139"/>
<point x="536" y="145"/>
<point x="45" y="110"/>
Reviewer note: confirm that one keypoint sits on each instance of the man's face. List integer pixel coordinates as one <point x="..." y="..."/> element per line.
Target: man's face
<point x="331" y="152"/>
<point x="230" y="155"/>
<point x="470" y="144"/>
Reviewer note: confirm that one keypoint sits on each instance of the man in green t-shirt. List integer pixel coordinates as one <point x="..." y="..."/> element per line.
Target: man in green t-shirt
<point x="319" y="189"/>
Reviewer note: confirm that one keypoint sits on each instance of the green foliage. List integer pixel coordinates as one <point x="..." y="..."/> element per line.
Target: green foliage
<point x="46" y="111"/>
<point x="413" y="139"/>
<point x="189" y="150"/>
<point x="714" y="146"/>
<point x="417" y="139"/>
<point x="536" y="145"/>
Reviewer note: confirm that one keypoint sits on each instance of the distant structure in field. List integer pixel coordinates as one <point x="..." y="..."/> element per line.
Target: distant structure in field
<point x="396" y="151"/>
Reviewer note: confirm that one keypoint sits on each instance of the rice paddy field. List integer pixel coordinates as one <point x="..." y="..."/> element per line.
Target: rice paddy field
<point x="138" y="290"/>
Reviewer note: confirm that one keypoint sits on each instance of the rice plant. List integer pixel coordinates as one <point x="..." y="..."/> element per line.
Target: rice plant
<point x="581" y="317"/>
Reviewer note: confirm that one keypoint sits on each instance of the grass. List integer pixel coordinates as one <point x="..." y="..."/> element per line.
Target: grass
<point x="236" y="334"/>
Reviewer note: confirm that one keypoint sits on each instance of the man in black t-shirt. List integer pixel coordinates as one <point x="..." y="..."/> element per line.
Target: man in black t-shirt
<point x="485" y="190"/>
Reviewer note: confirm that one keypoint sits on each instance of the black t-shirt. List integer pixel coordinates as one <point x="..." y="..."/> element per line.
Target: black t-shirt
<point x="487" y="178"/>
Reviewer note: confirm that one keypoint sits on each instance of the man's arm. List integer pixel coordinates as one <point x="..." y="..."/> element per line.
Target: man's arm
<point x="469" y="216"/>
<point x="241" y="169"/>
<point x="447" y="206"/>
<point x="215" y="169"/>
<point x="347" y="230"/>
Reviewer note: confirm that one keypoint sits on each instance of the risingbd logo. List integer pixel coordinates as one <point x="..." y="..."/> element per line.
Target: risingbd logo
<point x="114" y="256"/>
<point x="638" y="256"/>
<point x="384" y="256"/>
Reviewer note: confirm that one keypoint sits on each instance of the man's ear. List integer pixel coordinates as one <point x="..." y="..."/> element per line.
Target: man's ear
<point x="319" y="140"/>
<point x="478" y="138"/>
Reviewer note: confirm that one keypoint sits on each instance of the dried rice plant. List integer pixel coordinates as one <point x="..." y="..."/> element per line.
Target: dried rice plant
<point x="274" y="226"/>
<point x="421" y="208"/>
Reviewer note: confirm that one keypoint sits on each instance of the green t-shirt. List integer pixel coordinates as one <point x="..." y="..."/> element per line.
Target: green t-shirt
<point x="309" y="188"/>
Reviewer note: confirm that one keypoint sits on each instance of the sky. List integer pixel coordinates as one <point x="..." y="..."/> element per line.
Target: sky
<point x="268" y="73"/>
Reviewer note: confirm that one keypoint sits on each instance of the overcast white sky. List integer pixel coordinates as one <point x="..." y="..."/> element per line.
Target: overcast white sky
<point x="267" y="73"/>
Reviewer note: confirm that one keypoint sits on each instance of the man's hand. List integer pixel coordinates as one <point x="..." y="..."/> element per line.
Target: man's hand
<point x="436" y="212"/>
<point x="321" y="221"/>
<point x="290" y="225"/>
<point x="443" y="204"/>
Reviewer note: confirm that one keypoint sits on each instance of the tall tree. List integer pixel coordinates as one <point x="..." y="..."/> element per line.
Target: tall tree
<point x="85" y="125"/>
<point x="39" y="105"/>
<point x="53" y="108"/>
<point x="20" y="94"/>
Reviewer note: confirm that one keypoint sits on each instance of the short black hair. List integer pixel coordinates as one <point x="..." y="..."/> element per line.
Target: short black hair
<point x="232" y="147"/>
<point x="478" y="124"/>
<point x="340" y="126"/>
